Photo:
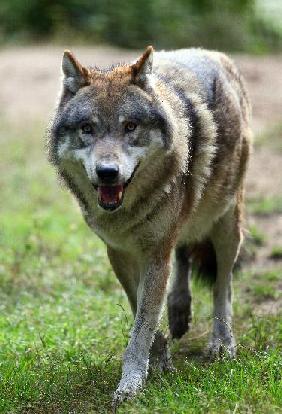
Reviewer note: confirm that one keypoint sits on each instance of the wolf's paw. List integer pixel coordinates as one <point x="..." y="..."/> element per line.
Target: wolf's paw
<point x="179" y="315"/>
<point x="221" y="347"/>
<point x="128" y="387"/>
<point x="162" y="362"/>
<point x="160" y="358"/>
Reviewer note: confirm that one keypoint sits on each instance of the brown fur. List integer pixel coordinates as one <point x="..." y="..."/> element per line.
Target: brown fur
<point x="181" y="170"/>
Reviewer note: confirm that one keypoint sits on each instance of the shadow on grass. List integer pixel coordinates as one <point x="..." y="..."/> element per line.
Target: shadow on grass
<point x="78" y="387"/>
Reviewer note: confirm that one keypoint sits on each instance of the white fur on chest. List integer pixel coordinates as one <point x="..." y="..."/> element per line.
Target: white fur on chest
<point x="131" y="233"/>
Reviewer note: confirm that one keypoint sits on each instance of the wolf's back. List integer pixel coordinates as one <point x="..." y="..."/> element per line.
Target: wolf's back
<point x="219" y="89"/>
<point x="206" y="68"/>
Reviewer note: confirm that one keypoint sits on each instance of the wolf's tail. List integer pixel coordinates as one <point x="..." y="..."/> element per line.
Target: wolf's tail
<point x="204" y="262"/>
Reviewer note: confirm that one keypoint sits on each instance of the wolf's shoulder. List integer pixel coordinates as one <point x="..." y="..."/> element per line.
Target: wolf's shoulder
<point x="198" y="66"/>
<point x="207" y="68"/>
<point x="196" y="60"/>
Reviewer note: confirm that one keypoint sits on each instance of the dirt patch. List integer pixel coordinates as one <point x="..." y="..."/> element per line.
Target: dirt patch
<point x="264" y="81"/>
<point x="264" y="174"/>
<point x="269" y="307"/>
<point x="31" y="81"/>
<point x="32" y="77"/>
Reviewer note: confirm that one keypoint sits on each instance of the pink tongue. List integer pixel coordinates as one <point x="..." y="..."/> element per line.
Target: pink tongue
<point x="110" y="194"/>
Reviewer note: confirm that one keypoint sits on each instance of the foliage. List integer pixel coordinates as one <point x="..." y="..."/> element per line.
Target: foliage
<point x="221" y="24"/>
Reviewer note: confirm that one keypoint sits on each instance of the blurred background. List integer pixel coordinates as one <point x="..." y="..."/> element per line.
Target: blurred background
<point x="232" y="25"/>
<point x="64" y="319"/>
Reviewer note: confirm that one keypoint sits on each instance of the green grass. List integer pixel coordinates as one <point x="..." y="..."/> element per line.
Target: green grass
<point x="272" y="138"/>
<point x="276" y="253"/>
<point x="64" y="319"/>
<point x="265" y="206"/>
<point x="256" y="236"/>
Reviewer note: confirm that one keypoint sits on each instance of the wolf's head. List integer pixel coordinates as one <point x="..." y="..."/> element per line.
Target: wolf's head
<point x="111" y="122"/>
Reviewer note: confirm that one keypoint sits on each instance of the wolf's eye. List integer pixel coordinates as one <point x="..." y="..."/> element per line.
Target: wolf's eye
<point x="86" y="129"/>
<point x="130" y="126"/>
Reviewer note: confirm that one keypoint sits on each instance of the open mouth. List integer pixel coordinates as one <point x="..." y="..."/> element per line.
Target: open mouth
<point x="110" y="197"/>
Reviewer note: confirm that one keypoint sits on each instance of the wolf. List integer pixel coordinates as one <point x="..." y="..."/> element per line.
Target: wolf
<point x="155" y="151"/>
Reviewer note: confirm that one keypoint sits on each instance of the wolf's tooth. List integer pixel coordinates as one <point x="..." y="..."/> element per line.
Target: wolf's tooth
<point x="119" y="195"/>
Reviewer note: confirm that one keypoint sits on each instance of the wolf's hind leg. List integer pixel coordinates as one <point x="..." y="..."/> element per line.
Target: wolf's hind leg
<point x="179" y="299"/>
<point x="226" y="239"/>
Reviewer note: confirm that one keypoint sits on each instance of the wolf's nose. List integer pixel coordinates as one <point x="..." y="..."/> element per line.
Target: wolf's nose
<point x="107" y="173"/>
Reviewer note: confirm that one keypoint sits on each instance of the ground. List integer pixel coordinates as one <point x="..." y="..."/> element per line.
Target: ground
<point x="64" y="319"/>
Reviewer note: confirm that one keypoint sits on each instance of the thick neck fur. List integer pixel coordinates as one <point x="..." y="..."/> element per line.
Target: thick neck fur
<point x="163" y="172"/>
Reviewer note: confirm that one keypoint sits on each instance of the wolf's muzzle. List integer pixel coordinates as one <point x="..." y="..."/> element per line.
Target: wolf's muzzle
<point x="107" y="173"/>
<point x="110" y="190"/>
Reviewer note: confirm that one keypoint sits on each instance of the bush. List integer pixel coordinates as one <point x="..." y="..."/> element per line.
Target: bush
<point x="221" y="24"/>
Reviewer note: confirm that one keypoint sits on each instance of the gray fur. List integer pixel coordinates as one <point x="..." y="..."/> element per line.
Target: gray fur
<point x="181" y="171"/>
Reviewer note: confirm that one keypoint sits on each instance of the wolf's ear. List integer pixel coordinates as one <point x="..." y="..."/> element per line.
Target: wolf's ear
<point x="143" y="66"/>
<point x="75" y="75"/>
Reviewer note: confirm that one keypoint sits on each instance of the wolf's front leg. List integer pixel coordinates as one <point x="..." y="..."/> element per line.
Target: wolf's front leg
<point x="151" y="292"/>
